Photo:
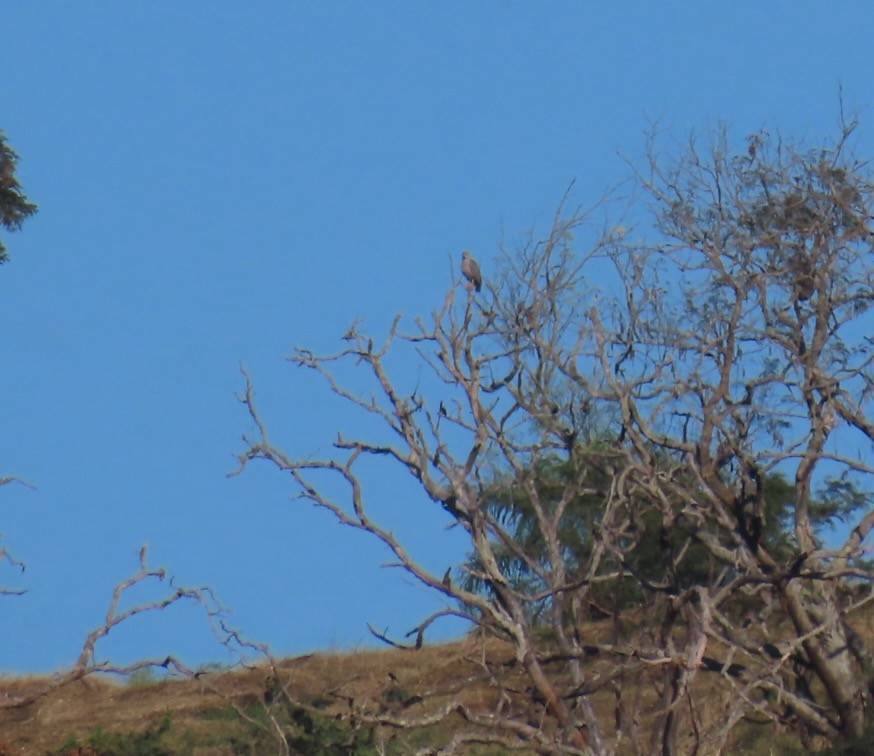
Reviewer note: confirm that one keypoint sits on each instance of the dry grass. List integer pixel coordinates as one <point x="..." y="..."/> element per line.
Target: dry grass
<point x="206" y="711"/>
<point x="227" y="712"/>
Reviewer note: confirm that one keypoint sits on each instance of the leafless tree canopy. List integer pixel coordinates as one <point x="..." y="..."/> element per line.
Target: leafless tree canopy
<point x="121" y="611"/>
<point x="637" y="401"/>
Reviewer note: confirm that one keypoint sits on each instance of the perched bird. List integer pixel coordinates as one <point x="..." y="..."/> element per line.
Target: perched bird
<point x="447" y="579"/>
<point x="471" y="270"/>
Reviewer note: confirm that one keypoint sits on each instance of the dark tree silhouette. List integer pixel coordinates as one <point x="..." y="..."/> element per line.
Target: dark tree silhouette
<point x="14" y="206"/>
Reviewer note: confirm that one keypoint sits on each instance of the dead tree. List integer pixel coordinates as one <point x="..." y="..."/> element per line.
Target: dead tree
<point x="672" y="371"/>
<point x="748" y="324"/>
<point x="89" y="662"/>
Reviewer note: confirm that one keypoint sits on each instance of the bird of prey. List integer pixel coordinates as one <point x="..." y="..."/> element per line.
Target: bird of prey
<point x="471" y="270"/>
<point x="447" y="579"/>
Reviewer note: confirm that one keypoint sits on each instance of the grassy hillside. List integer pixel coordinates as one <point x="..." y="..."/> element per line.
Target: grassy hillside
<point x="446" y="688"/>
<point x="230" y="712"/>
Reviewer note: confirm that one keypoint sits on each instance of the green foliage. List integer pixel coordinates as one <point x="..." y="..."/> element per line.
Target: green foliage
<point x="755" y="737"/>
<point x="399" y="696"/>
<point x="306" y="729"/>
<point x="249" y="734"/>
<point x="150" y="742"/>
<point x="324" y="735"/>
<point x="671" y="559"/>
<point x="861" y="746"/>
<point x="14" y="206"/>
<point x="232" y="732"/>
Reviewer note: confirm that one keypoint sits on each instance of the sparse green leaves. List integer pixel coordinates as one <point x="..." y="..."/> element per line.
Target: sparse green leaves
<point x="14" y="205"/>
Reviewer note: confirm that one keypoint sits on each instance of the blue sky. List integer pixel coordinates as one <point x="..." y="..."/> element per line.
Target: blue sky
<point x="220" y="182"/>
